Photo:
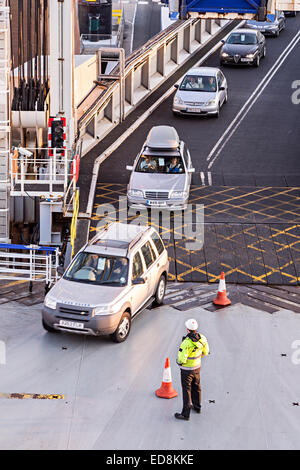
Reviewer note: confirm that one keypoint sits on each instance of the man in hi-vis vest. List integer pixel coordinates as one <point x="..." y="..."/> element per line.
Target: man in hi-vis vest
<point x="193" y="346"/>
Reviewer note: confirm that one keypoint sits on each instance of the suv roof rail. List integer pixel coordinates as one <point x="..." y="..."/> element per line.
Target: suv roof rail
<point x="136" y="240"/>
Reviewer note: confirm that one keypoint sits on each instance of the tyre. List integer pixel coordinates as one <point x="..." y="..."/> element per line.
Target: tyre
<point x="264" y="52"/>
<point x="123" y="329"/>
<point x="160" y="291"/>
<point x="257" y="62"/>
<point x="48" y="328"/>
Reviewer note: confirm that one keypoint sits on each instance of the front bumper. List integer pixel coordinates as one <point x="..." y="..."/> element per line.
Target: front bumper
<point x="97" y="325"/>
<point x="195" y="110"/>
<point x="241" y="61"/>
<point x="168" y="205"/>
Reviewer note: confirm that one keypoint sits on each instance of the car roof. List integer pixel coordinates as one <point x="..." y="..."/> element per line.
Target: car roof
<point x="203" y="71"/>
<point x="117" y="238"/>
<point x="244" y="30"/>
<point x="163" y="137"/>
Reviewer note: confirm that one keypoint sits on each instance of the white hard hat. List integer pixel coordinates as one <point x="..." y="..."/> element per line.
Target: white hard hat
<point x="191" y="324"/>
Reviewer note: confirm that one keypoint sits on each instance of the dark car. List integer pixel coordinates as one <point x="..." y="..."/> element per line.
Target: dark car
<point x="243" y="47"/>
<point x="271" y="27"/>
<point x="290" y="13"/>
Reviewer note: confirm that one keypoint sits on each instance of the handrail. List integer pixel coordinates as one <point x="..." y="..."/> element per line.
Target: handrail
<point x="74" y="221"/>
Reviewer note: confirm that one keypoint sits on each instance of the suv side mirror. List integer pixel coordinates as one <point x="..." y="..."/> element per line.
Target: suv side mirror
<point x="222" y="88"/>
<point x="138" y="280"/>
<point x="191" y="170"/>
<point x="176" y="85"/>
<point x="129" y="167"/>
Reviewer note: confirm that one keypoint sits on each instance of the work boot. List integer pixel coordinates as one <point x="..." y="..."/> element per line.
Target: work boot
<point x="180" y="416"/>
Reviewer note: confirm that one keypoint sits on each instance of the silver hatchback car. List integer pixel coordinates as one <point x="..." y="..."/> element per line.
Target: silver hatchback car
<point x="202" y="92"/>
<point x="162" y="172"/>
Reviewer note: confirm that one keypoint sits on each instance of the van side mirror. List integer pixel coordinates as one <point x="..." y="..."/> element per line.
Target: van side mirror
<point x="222" y="88"/>
<point x="191" y="170"/>
<point x="176" y="85"/>
<point x="138" y="280"/>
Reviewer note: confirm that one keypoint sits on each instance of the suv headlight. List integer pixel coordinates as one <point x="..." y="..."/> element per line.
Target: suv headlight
<point x="135" y="193"/>
<point x="48" y="302"/>
<point x="179" y="194"/>
<point x="106" y="309"/>
<point x="178" y="100"/>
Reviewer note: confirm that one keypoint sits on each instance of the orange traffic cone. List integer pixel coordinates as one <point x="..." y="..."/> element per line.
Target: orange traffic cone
<point x="166" y="390"/>
<point x="222" y="298"/>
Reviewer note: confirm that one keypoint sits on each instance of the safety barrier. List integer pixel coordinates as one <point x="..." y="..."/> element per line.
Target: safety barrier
<point x="28" y="263"/>
<point x="34" y="172"/>
<point x="145" y="70"/>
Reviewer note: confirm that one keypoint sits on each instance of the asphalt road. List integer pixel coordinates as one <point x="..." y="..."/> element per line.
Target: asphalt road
<point x="263" y="149"/>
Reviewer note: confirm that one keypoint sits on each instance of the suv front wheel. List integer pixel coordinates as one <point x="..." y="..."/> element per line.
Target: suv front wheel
<point x="160" y="291"/>
<point x="123" y="329"/>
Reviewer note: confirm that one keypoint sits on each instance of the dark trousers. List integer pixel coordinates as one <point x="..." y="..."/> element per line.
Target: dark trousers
<point x="191" y="390"/>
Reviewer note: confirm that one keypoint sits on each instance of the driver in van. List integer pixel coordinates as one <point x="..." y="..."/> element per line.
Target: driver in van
<point x="148" y="164"/>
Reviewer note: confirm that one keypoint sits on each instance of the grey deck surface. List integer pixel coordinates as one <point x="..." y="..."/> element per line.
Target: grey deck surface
<point x="250" y="390"/>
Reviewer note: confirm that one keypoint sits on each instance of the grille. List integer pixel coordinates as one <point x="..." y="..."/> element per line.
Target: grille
<point x="156" y="195"/>
<point x="191" y="103"/>
<point x="72" y="311"/>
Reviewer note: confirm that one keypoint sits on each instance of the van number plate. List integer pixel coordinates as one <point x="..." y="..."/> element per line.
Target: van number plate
<point x="71" y="324"/>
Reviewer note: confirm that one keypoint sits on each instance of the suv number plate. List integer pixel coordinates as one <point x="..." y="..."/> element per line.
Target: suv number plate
<point x="71" y="324"/>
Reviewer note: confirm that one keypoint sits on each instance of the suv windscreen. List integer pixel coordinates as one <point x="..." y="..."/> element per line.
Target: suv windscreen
<point x="91" y="268"/>
<point x="199" y="83"/>
<point x="160" y="164"/>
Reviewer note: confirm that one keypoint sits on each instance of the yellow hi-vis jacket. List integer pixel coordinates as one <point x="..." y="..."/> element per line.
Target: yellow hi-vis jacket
<point x="192" y="348"/>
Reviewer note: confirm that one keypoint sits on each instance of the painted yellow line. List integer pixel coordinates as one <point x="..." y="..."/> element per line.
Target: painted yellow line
<point x="22" y="396"/>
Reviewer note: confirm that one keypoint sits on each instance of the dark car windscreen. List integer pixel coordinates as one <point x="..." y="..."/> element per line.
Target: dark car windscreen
<point x="199" y="83"/>
<point x="160" y="164"/>
<point x="91" y="268"/>
<point x="242" y="38"/>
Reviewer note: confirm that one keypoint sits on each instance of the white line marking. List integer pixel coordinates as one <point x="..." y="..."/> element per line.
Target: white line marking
<point x="209" y="177"/>
<point x="202" y="176"/>
<point x="254" y="97"/>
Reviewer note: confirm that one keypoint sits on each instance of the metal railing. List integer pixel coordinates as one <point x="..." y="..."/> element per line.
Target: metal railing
<point x="28" y="263"/>
<point x="33" y="166"/>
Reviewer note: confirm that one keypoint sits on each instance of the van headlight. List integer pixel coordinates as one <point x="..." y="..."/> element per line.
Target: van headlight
<point x="178" y="100"/>
<point x="211" y="103"/>
<point x="50" y="303"/>
<point x="106" y="309"/>
<point x="135" y="193"/>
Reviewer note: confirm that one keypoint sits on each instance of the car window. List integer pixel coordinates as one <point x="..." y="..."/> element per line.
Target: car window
<point x="199" y="83"/>
<point x="137" y="266"/>
<point x="219" y="80"/>
<point x="148" y="254"/>
<point x="186" y="155"/>
<point x="158" y="243"/>
<point x="242" y="38"/>
<point x="160" y="164"/>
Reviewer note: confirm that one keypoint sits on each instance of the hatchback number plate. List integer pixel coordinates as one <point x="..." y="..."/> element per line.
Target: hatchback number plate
<point x="194" y="110"/>
<point x="71" y="324"/>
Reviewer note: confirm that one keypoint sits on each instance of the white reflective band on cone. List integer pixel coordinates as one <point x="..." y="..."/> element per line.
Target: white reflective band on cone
<point x="167" y="375"/>
<point x="222" y="285"/>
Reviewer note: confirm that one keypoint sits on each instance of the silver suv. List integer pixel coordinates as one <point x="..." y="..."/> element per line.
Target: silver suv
<point x="117" y="275"/>
<point x="161" y="173"/>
